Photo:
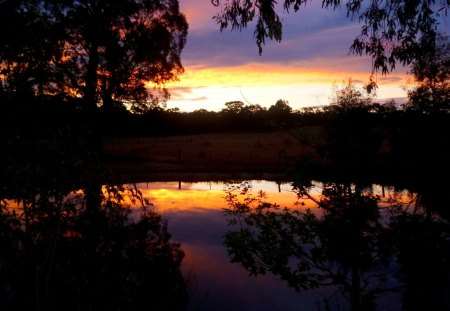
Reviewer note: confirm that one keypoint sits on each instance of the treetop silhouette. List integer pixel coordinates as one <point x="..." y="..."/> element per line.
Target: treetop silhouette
<point x="392" y="31"/>
<point x="101" y="51"/>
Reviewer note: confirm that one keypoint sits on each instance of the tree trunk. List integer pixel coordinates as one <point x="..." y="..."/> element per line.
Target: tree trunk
<point x="90" y="93"/>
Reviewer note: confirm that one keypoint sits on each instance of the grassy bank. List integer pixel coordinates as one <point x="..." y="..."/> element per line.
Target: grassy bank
<point x="209" y="154"/>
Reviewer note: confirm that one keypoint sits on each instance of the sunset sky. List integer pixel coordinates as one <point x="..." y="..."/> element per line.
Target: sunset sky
<point x="313" y="55"/>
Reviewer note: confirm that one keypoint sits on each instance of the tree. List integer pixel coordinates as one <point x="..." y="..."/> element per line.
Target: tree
<point x="234" y="107"/>
<point x="281" y="106"/>
<point x="105" y="52"/>
<point x="349" y="241"/>
<point x="255" y="109"/>
<point x="350" y="98"/>
<point x="29" y="47"/>
<point x="393" y="31"/>
<point x="280" y="111"/>
<point x="53" y="257"/>
<point x="432" y="77"/>
<point x="341" y="244"/>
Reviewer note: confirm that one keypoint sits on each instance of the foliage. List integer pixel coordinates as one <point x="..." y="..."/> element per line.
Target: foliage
<point x="393" y="31"/>
<point x="346" y="242"/>
<point x="350" y="98"/>
<point x="234" y="107"/>
<point x="105" y="52"/>
<point x="57" y="254"/>
<point x="432" y="77"/>
<point x="280" y="111"/>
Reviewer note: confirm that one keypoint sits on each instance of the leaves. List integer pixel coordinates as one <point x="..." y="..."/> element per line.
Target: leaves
<point x="340" y="244"/>
<point x="392" y="31"/>
<point x="104" y="51"/>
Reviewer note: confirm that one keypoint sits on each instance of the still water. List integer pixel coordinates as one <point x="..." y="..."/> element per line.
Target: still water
<point x="196" y="220"/>
<point x="252" y="245"/>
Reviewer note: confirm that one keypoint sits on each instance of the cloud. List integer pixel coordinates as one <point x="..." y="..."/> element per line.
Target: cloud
<point x="313" y="55"/>
<point x="391" y="79"/>
<point x="308" y="34"/>
<point x="185" y="92"/>
<point x="199" y="98"/>
<point x="181" y="90"/>
<point x="326" y="47"/>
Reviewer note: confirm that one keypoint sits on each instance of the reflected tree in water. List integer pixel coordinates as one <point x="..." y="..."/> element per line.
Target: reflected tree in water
<point x="423" y="250"/>
<point x="56" y="255"/>
<point x="347" y="242"/>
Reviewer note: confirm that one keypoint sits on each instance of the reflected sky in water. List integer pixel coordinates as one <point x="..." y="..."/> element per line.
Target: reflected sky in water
<point x="196" y="221"/>
<point x="195" y="218"/>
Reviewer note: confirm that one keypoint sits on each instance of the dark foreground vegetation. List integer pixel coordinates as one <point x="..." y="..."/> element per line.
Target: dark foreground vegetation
<point x="376" y="137"/>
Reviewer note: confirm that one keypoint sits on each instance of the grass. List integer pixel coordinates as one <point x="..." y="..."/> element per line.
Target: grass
<point x="217" y="153"/>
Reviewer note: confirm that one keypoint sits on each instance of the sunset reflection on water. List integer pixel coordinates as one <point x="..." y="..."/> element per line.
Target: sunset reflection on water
<point x="194" y="212"/>
<point x="171" y="196"/>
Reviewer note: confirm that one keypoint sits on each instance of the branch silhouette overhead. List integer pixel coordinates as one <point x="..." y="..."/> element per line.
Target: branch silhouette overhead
<point x="392" y="31"/>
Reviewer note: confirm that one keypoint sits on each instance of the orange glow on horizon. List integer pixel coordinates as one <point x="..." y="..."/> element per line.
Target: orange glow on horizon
<point x="202" y="87"/>
<point x="262" y="75"/>
<point x="167" y="197"/>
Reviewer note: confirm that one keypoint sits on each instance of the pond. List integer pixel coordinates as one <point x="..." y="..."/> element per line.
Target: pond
<point x="195" y="217"/>
<point x="196" y="220"/>
<point x="238" y="245"/>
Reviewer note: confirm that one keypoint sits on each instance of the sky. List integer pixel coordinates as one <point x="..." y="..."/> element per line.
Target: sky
<point x="312" y="57"/>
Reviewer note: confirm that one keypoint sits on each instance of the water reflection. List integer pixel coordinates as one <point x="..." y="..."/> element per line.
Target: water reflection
<point x="58" y="254"/>
<point x="338" y="246"/>
<point x="396" y="256"/>
<point x="195" y="216"/>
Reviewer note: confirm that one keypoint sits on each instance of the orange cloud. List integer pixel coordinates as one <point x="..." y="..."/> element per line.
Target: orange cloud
<point x="302" y="85"/>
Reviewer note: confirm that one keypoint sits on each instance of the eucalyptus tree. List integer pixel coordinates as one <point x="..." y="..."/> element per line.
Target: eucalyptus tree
<point x="104" y="52"/>
<point x="392" y="31"/>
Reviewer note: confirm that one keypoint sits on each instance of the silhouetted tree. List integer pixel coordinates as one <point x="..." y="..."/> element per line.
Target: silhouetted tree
<point x="255" y="109"/>
<point x="393" y="31"/>
<point x="280" y="111"/>
<point x="105" y="52"/>
<point x="349" y="98"/>
<point x="234" y="107"/>
<point x="281" y="106"/>
<point x="350" y="142"/>
<point x="432" y="75"/>
<point x="51" y="258"/>
<point x="30" y="45"/>
<point x="340" y="245"/>
<point x="347" y="241"/>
